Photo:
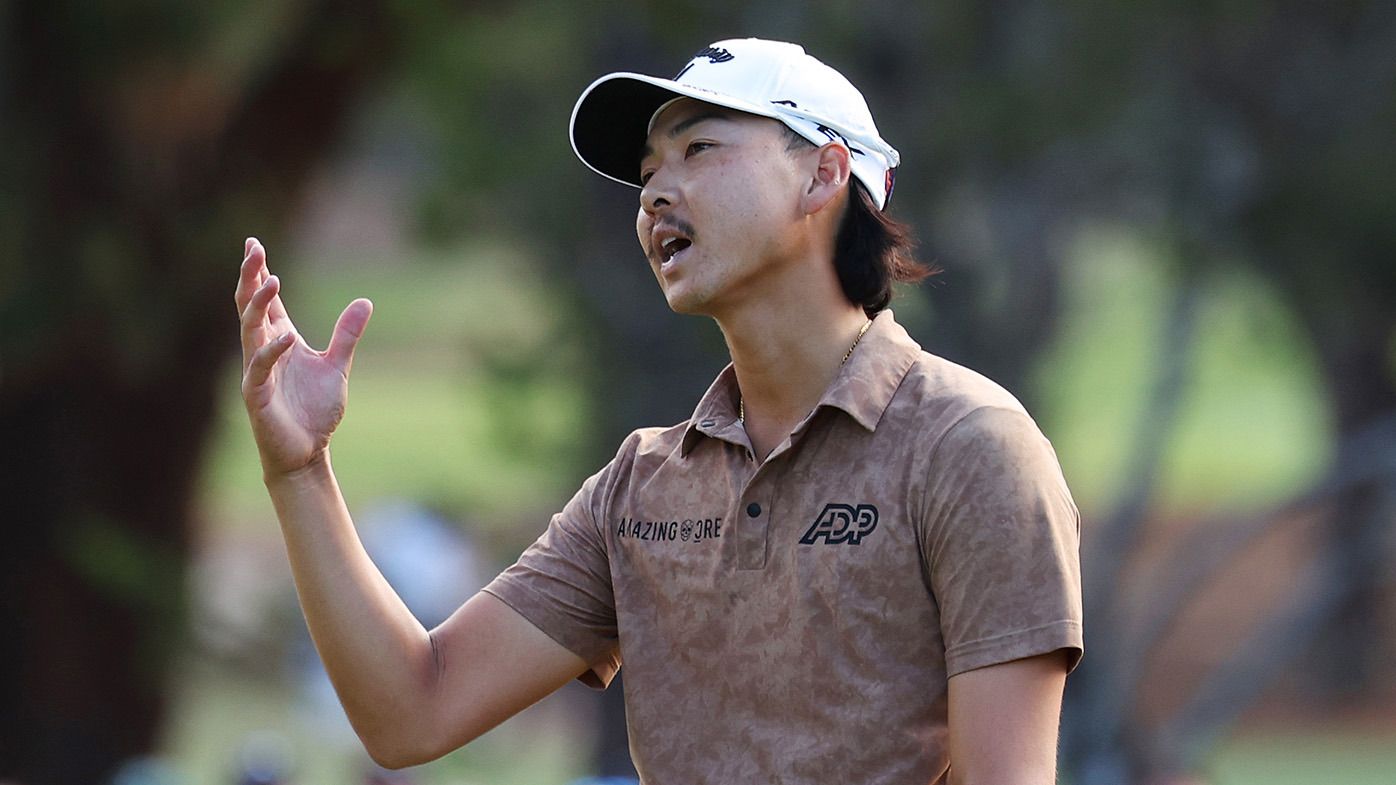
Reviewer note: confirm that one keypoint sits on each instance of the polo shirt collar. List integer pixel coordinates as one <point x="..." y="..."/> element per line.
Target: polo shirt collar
<point x="716" y="414"/>
<point x="866" y="383"/>
<point x="863" y="387"/>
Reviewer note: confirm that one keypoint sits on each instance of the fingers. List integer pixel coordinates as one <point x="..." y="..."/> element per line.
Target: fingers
<point x="347" y="332"/>
<point x="254" y="318"/>
<point x="252" y="274"/>
<point x="264" y="359"/>
<point x="262" y="312"/>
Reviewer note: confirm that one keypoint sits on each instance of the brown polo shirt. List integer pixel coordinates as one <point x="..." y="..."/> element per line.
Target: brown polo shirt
<point x="796" y="620"/>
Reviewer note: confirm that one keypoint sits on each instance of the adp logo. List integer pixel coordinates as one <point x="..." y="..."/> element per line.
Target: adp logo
<point x="842" y="523"/>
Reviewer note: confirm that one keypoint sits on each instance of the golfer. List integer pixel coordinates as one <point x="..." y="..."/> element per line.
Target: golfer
<point x="855" y="563"/>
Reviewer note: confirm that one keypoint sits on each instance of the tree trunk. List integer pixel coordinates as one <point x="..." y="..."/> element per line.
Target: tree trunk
<point x="115" y="317"/>
<point x="1355" y="360"/>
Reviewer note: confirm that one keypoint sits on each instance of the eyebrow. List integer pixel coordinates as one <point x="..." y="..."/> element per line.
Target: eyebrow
<point x="684" y="125"/>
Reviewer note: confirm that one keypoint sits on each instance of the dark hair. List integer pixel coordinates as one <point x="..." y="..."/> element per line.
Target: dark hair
<point x="872" y="250"/>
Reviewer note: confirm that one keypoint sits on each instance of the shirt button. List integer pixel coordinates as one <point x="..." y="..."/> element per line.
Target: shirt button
<point x="753" y="510"/>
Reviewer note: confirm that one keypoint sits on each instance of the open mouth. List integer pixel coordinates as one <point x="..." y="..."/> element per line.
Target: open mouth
<point x="673" y="247"/>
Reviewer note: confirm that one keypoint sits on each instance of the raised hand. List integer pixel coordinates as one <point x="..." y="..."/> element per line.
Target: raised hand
<point x="295" y="395"/>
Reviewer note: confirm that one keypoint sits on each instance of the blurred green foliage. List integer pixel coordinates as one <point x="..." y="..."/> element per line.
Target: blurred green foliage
<point x="1253" y="425"/>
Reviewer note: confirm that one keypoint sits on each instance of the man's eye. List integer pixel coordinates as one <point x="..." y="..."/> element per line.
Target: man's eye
<point x="697" y="147"/>
<point x="645" y="177"/>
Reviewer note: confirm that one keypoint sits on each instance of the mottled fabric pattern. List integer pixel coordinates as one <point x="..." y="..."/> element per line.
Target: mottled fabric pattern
<point x="796" y="620"/>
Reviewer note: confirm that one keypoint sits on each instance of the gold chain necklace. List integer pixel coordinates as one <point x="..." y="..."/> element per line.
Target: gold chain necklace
<point x="741" y="404"/>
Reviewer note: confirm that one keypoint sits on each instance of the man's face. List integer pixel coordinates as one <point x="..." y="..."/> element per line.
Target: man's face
<point x="719" y="205"/>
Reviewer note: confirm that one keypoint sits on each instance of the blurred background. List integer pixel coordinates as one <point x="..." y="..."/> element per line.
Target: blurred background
<point x="1169" y="228"/>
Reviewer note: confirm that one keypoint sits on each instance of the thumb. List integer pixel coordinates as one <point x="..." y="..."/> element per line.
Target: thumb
<point x="347" y="332"/>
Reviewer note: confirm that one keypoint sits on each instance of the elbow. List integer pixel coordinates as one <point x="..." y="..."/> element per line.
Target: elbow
<point x="392" y="761"/>
<point x="389" y="758"/>
<point x="400" y="731"/>
<point x="400" y="748"/>
<point x="397" y="755"/>
<point x="391" y="753"/>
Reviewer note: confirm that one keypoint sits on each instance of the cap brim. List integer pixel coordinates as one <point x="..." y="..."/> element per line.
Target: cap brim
<point x="611" y="120"/>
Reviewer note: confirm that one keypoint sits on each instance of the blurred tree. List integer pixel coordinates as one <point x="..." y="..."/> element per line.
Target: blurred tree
<point x="1316" y="92"/>
<point x="1250" y="134"/>
<point x="138" y="139"/>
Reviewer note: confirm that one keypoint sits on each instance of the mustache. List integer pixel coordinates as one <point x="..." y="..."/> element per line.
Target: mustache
<point x="678" y="224"/>
<point x="656" y="253"/>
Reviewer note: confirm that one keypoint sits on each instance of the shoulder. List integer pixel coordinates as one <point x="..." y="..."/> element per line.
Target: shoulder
<point x="937" y="397"/>
<point x="996" y="459"/>
<point x="652" y="443"/>
<point x="997" y="436"/>
<point x="936" y="380"/>
<point x="645" y="450"/>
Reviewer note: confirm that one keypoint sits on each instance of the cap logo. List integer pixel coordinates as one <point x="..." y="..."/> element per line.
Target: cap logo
<point x="714" y="55"/>
<point x="836" y="136"/>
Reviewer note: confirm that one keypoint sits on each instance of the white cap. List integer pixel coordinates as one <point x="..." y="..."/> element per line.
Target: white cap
<point x="766" y="78"/>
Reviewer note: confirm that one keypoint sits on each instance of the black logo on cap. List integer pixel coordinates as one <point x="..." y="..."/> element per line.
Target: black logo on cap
<point x="833" y="135"/>
<point x="714" y="55"/>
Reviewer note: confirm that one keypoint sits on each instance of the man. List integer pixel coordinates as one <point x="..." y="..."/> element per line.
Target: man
<point x="857" y="562"/>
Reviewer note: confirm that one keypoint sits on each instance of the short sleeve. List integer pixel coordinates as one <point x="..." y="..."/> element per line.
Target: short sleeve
<point x="1001" y="540"/>
<point x="562" y="584"/>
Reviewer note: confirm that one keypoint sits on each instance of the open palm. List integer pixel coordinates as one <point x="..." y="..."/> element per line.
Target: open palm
<point x="295" y="395"/>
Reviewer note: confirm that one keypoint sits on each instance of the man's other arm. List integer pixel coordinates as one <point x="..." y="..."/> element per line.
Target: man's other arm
<point x="1004" y="720"/>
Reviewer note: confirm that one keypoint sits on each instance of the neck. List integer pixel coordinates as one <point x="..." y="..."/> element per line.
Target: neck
<point x="789" y="328"/>
<point x="785" y="360"/>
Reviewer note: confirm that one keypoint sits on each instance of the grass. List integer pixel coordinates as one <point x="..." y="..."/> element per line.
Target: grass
<point x="1299" y="757"/>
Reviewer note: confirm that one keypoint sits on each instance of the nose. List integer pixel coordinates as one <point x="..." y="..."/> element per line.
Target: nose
<point x="657" y="194"/>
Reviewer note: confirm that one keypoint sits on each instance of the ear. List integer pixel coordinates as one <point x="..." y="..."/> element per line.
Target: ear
<point x="829" y="176"/>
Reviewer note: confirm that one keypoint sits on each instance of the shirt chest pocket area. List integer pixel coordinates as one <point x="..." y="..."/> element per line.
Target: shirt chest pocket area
<point x="666" y="552"/>
<point x="854" y="560"/>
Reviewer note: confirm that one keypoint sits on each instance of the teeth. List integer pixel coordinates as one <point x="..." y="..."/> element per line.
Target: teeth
<point x="670" y="242"/>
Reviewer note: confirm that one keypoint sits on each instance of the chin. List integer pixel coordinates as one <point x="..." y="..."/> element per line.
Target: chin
<point x="679" y="305"/>
<point x="686" y="303"/>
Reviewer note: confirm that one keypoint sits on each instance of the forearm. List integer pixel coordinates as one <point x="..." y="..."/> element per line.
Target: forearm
<point x="378" y="656"/>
